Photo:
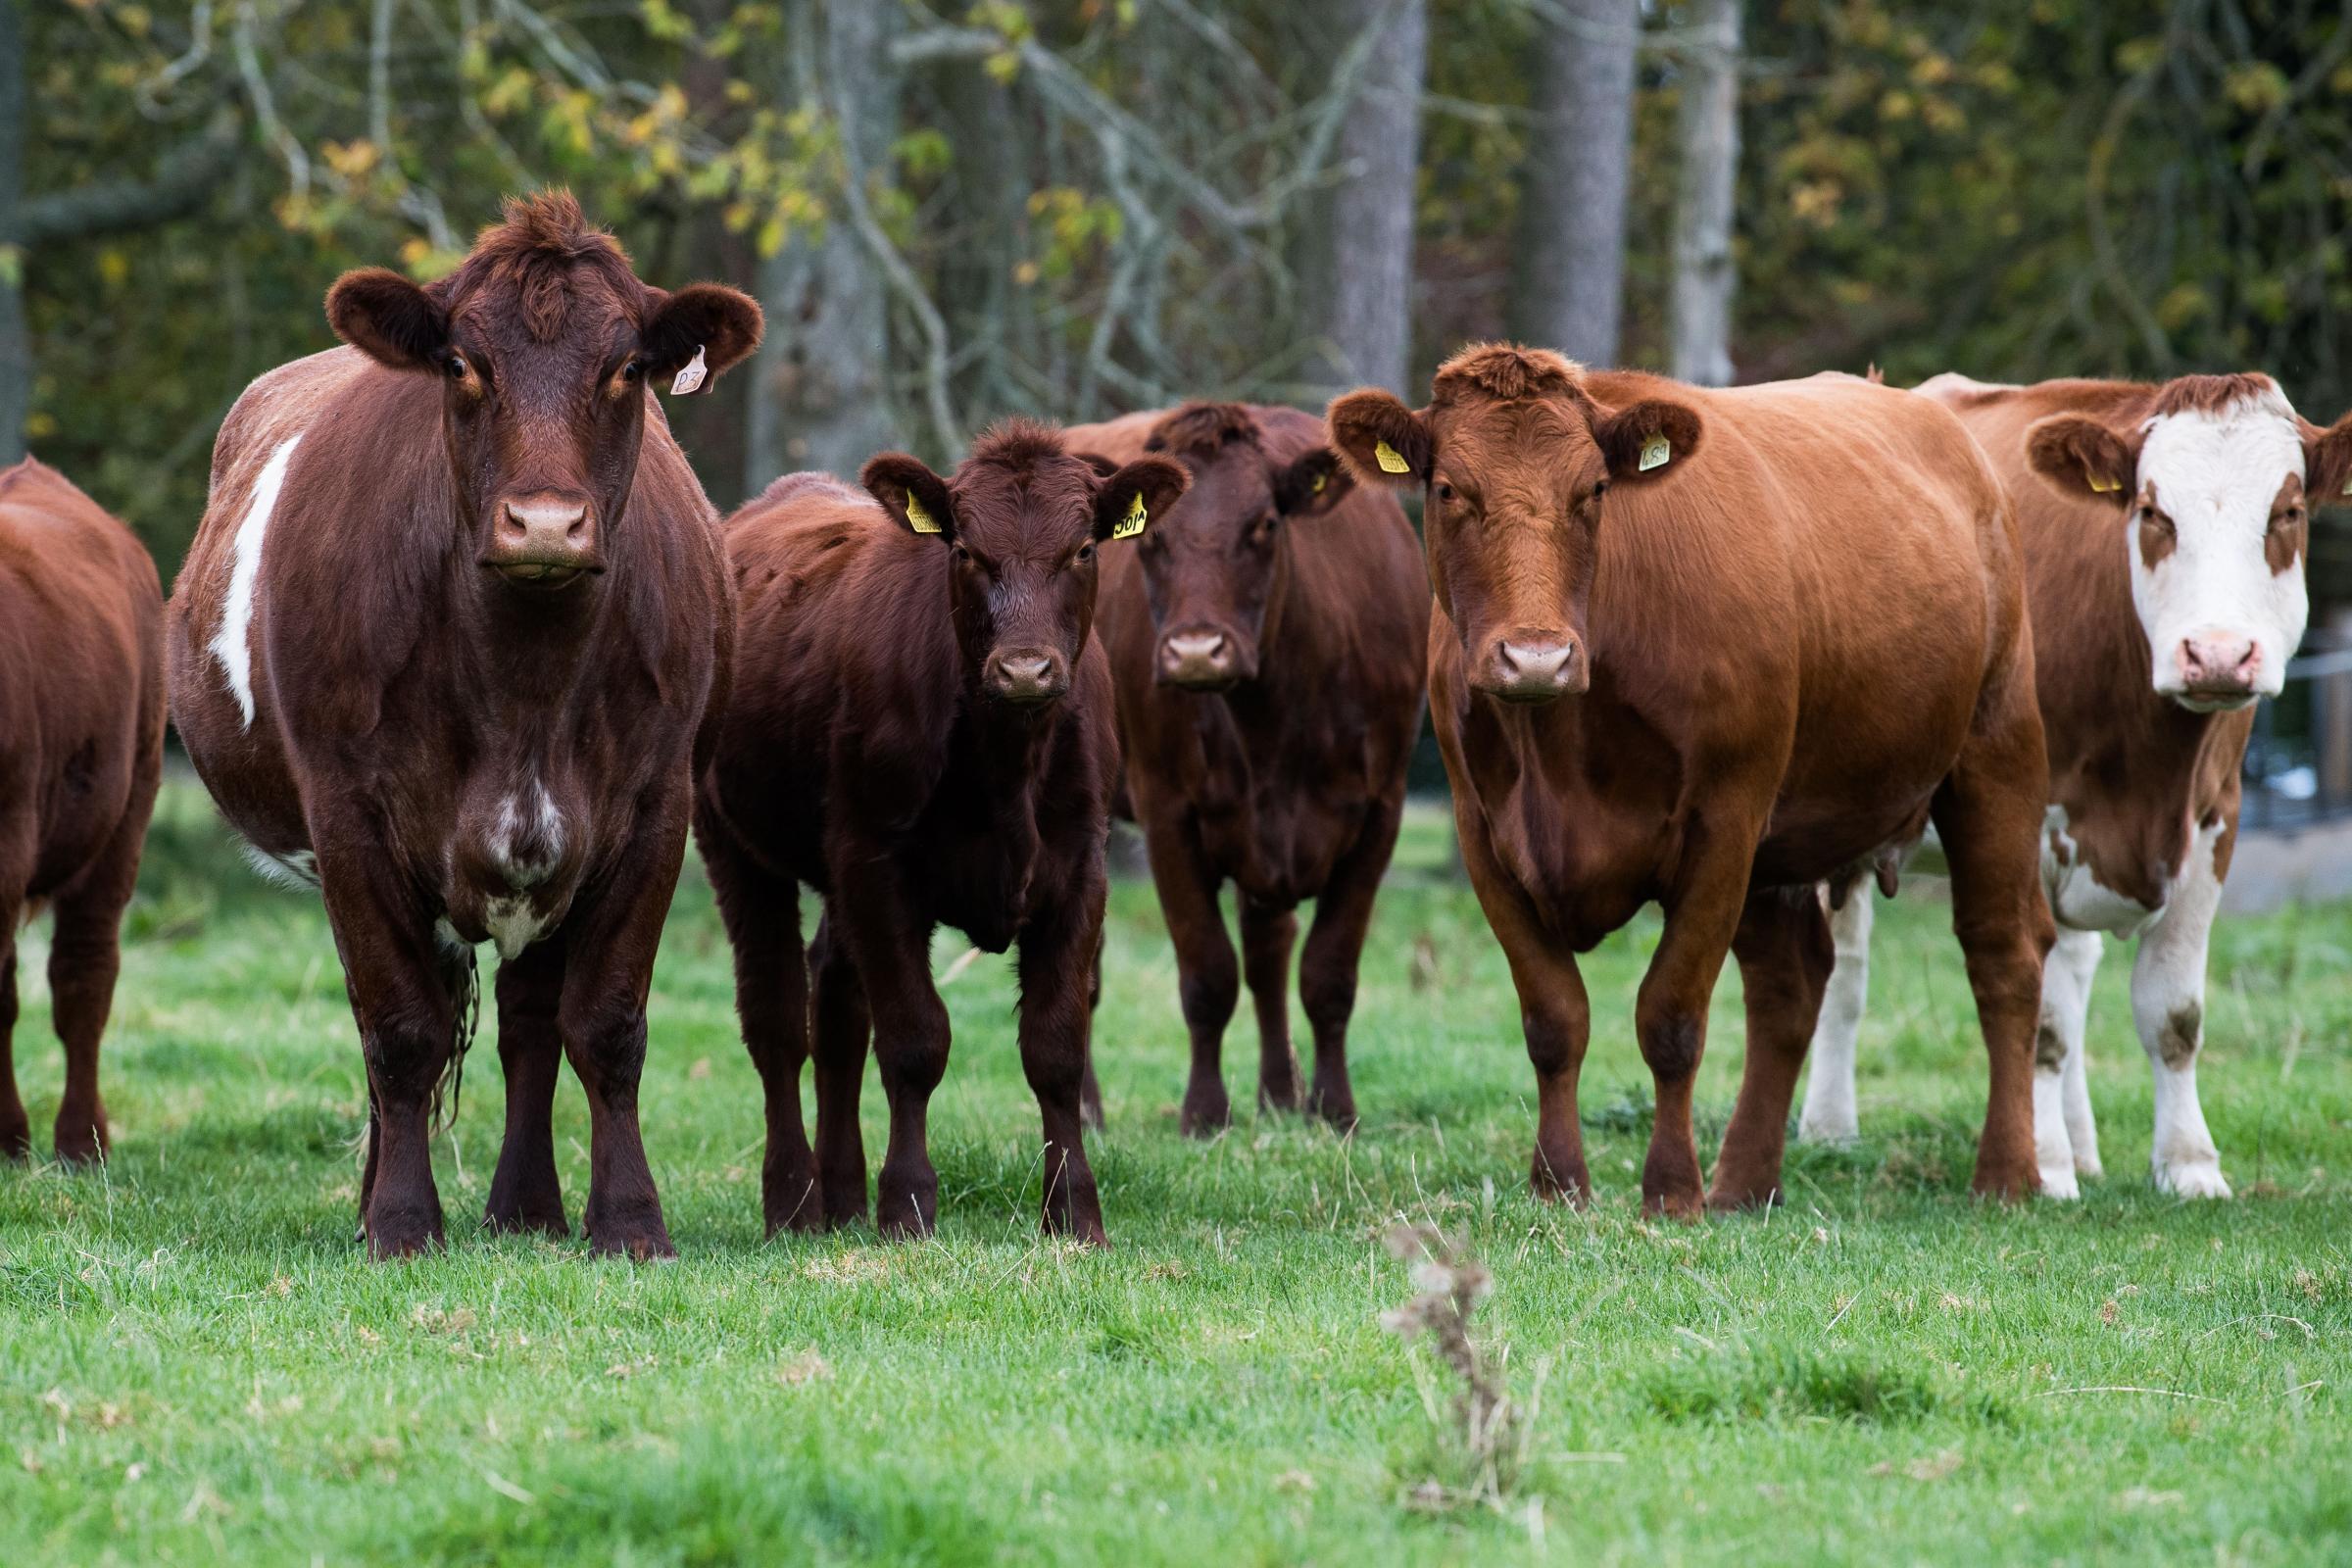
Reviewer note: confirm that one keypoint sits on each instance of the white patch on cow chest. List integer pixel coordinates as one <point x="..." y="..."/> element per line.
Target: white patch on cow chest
<point x="232" y="642"/>
<point x="526" y="845"/>
<point x="2077" y="899"/>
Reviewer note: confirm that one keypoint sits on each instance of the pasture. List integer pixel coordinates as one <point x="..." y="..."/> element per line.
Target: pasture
<point x="196" y="1364"/>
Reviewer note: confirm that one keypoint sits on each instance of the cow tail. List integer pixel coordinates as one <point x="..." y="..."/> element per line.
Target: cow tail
<point x="465" y="986"/>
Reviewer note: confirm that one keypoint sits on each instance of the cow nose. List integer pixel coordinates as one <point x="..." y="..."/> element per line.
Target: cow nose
<point x="545" y="537"/>
<point x="1535" y="670"/>
<point x="2220" y="665"/>
<point x="1025" y="676"/>
<point x="1196" y="658"/>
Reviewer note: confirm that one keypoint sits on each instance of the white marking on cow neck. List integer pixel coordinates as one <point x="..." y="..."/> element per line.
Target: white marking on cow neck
<point x="2216" y="474"/>
<point x="232" y="643"/>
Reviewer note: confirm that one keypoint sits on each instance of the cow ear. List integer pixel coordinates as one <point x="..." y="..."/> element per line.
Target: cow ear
<point x="915" y="496"/>
<point x="1648" y="440"/>
<point x="1381" y="440"/>
<point x="1312" y="483"/>
<point x="2082" y="458"/>
<point x="1135" y="494"/>
<point x="2327" y="463"/>
<point x="709" y="323"/>
<point x="391" y="319"/>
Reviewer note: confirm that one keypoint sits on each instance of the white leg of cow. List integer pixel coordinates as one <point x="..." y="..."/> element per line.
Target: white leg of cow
<point x="2168" y="1003"/>
<point x="2081" y="1128"/>
<point x="2058" y="1063"/>
<point x="1829" y="1115"/>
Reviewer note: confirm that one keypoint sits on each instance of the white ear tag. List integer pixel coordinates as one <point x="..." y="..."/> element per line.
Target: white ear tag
<point x="1654" y="451"/>
<point x="690" y="378"/>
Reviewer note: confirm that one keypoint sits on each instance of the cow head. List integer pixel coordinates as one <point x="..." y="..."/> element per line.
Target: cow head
<point x="1516" y="460"/>
<point x="1214" y="566"/>
<point x="546" y="346"/>
<point x="1020" y="522"/>
<point x="2214" y="477"/>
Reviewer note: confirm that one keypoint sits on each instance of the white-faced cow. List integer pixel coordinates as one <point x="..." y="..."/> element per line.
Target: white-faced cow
<point x="1649" y="682"/>
<point x="2164" y="529"/>
<point x="446" y="644"/>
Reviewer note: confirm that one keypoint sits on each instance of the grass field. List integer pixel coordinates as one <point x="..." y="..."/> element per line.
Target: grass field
<point x="196" y="1365"/>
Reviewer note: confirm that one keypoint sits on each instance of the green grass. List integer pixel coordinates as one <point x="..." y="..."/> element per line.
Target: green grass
<point x="196" y="1365"/>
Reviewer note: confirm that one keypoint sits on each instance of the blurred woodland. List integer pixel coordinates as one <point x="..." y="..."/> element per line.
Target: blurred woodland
<point x="1074" y="206"/>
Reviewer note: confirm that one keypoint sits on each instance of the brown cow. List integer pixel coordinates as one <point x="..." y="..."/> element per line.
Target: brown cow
<point x="1267" y="643"/>
<point x="1711" y="647"/>
<point x="920" y="729"/>
<point x="445" y="645"/>
<point x="81" y="707"/>
<point x="2165" y="531"/>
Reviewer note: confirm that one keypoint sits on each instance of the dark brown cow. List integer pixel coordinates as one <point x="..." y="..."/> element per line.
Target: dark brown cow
<point x="1267" y="643"/>
<point x="1710" y="648"/>
<point x="2165" y="533"/>
<point x="920" y="729"/>
<point x="81" y="709"/>
<point x="445" y="644"/>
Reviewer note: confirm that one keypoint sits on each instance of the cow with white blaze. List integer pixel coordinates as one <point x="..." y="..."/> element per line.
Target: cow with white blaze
<point x="2165" y="531"/>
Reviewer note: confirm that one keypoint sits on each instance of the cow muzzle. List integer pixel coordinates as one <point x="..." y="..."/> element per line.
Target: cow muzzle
<point x="1532" y="667"/>
<point x="544" y="540"/>
<point x="1025" y="677"/>
<point x="1200" y="659"/>
<point x="2217" y="670"/>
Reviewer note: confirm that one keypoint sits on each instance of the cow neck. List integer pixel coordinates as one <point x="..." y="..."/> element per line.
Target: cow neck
<point x="1010" y="744"/>
<point x="528" y="652"/>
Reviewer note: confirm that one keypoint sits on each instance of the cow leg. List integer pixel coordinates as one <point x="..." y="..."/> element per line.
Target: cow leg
<point x="1829" y="1115"/>
<point x="86" y="955"/>
<point x="2168" y="1004"/>
<point x="1056" y="1023"/>
<point x="1554" y="1015"/>
<point x="1670" y="1012"/>
<point x="1335" y="947"/>
<point x="1989" y="817"/>
<point x="1786" y="953"/>
<point x="2081" y="1128"/>
<point x="762" y="916"/>
<point x="1208" y="983"/>
<point x="844" y="1025"/>
<point x="15" y="1128"/>
<point x="610" y="945"/>
<point x="1268" y="935"/>
<point x="524" y="1194"/>
<point x="892" y="949"/>
<point x="1090" y="1093"/>
<point x="2058" y="1055"/>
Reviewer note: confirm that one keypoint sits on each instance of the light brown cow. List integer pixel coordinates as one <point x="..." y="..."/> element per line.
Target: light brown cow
<point x="1710" y="648"/>
<point x="82" y="751"/>
<point x="2164" y="529"/>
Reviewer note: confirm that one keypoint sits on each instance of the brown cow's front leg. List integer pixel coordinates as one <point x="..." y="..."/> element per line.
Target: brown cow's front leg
<point x="1554" y="1015"/>
<point x="1785" y="956"/>
<point x="408" y="1031"/>
<point x="1055" y="1022"/>
<point x="15" y="1128"/>
<point x="843" y="1028"/>
<point x="524" y="1193"/>
<point x="1670" y="1012"/>
<point x="1090" y="1094"/>
<point x="1268" y="935"/>
<point x="892" y="949"/>
<point x="762" y="917"/>
<point x="1208" y="983"/>
<point x="1335" y="947"/>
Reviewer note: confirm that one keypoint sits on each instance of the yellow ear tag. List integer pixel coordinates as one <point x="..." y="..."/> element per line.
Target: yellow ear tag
<point x="917" y="518"/>
<point x="1130" y="526"/>
<point x="1654" y="451"/>
<point x="1391" y="460"/>
<point x="2102" y="484"/>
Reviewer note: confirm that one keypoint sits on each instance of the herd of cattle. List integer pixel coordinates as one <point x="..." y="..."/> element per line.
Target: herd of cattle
<point x="462" y="642"/>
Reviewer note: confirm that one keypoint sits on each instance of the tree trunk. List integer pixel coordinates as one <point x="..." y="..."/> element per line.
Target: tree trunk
<point x="820" y="388"/>
<point x="1568" y="266"/>
<point x="15" y="345"/>
<point x="1703" y="272"/>
<point x="1356" y="257"/>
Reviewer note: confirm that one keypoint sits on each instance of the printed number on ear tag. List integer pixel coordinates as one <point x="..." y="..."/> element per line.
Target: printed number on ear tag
<point x="917" y="518"/>
<point x="690" y="379"/>
<point x="1391" y="460"/>
<point x="1655" y="451"/>
<point x="1133" y="523"/>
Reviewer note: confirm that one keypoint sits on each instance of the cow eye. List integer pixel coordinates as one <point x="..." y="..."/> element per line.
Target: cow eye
<point x="456" y="366"/>
<point x="632" y="372"/>
<point x="1599" y="489"/>
<point x="1086" y="553"/>
<point x="1445" y="491"/>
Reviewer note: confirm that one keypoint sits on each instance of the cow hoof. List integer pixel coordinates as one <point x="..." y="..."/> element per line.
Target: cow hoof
<point x="908" y="1224"/>
<point x="2011" y="1184"/>
<point x="1280" y="1095"/>
<point x="639" y="1245"/>
<point x="15" y="1140"/>
<point x="526" y="1220"/>
<point x="1741" y="1198"/>
<point x="1205" y="1115"/>
<point x="80" y="1141"/>
<point x="1547" y="1188"/>
<point x="2192" y="1179"/>
<point x="907" y="1210"/>
<point x="1689" y="1207"/>
<point x="2058" y="1182"/>
<point x="1338" y="1110"/>
<point x="793" y="1202"/>
<point x="404" y="1232"/>
<point x="2087" y="1166"/>
<point x="1827" y="1130"/>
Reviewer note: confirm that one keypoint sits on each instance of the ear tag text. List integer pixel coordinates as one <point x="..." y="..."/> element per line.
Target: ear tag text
<point x="690" y="379"/>
<point x="1391" y="460"/>
<point x="917" y="518"/>
<point x="1654" y="451"/>
<point x="1130" y="526"/>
